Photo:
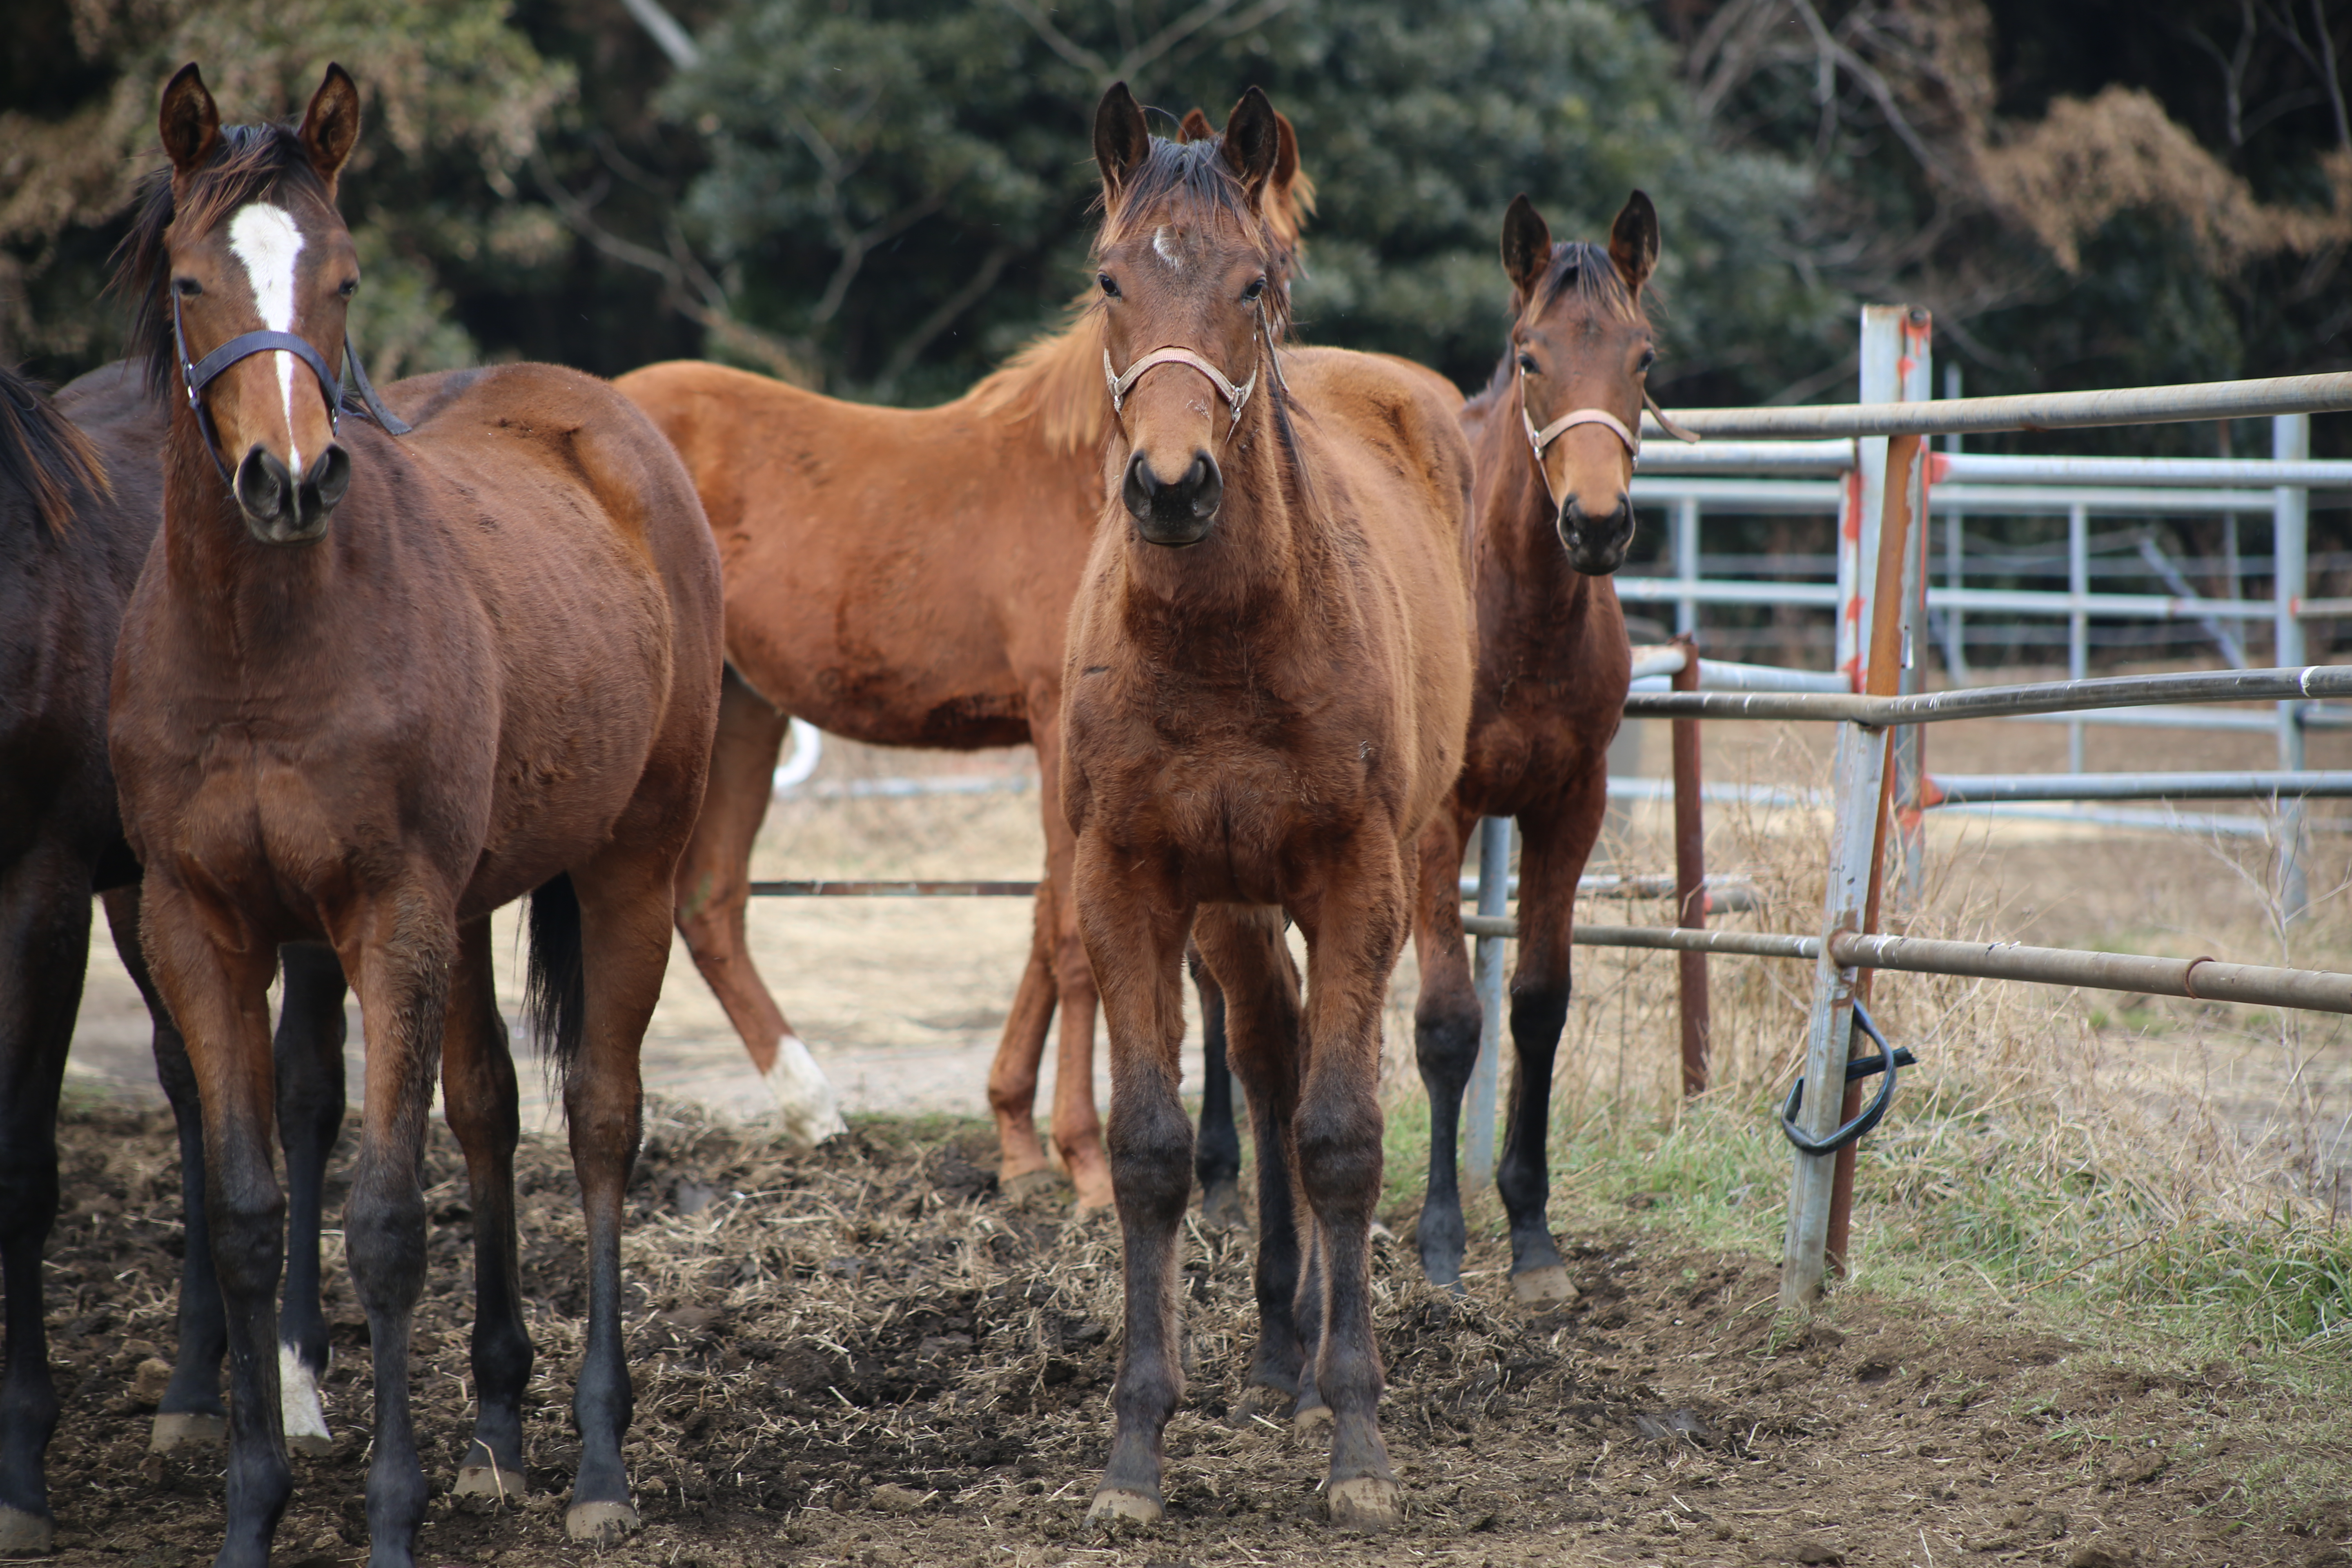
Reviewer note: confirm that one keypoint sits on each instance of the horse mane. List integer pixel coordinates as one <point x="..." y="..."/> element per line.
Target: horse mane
<point x="1581" y="265"/>
<point x="45" y="454"/>
<point x="1056" y="379"/>
<point x="253" y="162"/>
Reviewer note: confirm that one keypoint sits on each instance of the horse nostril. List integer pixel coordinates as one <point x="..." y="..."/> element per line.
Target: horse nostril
<point x="1140" y="488"/>
<point x="263" y="484"/>
<point x="1205" y="485"/>
<point x="330" y="476"/>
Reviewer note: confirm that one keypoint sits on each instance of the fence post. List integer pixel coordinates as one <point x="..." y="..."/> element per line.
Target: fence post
<point x="1686" y="542"/>
<point x="1690" y="878"/>
<point x="2290" y="566"/>
<point x="1955" y="648"/>
<point x="2078" y="622"/>
<point x="1857" y="560"/>
<point x="1493" y="890"/>
<point x="1911" y="741"/>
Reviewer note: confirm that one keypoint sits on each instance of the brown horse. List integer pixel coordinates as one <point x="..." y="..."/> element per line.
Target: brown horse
<point x="367" y="691"/>
<point x="849" y="605"/>
<point x="80" y="500"/>
<point x="1267" y="685"/>
<point x="1555" y="433"/>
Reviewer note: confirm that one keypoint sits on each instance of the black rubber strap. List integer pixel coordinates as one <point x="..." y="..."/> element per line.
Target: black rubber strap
<point x="393" y="424"/>
<point x="1886" y="1061"/>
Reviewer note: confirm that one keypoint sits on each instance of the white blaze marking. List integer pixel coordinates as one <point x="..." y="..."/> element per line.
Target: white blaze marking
<point x="1165" y="251"/>
<point x="265" y="240"/>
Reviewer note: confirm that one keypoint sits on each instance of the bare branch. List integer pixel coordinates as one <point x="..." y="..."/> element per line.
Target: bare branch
<point x="1874" y="84"/>
<point x="1077" y="54"/>
<point x="902" y="358"/>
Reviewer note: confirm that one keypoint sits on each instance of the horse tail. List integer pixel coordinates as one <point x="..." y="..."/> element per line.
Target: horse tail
<point x="555" y="981"/>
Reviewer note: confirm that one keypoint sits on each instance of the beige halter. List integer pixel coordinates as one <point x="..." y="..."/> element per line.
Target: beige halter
<point x="1539" y="439"/>
<point x="1235" y="397"/>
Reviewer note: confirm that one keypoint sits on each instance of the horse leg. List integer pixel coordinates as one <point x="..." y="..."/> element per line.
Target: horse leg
<point x="1243" y="953"/>
<point x="1446" y="1023"/>
<point x="191" y="1410"/>
<point x="1355" y="924"/>
<point x="1551" y="859"/>
<point x="623" y="951"/>
<point x="1138" y="933"/>
<point x="478" y="1080"/>
<point x="1077" y="1125"/>
<point x="1013" y="1075"/>
<point x="213" y="974"/>
<point x="713" y="893"/>
<point x="401" y="968"/>
<point x="309" y="1056"/>
<point x="1217" y="1158"/>
<point x="44" y="927"/>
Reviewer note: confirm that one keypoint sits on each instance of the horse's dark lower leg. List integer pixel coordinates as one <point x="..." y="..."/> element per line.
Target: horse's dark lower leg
<point x="1217" y="1156"/>
<point x="1151" y="1149"/>
<point x="1445" y="1043"/>
<point x="46" y="932"/>
<point x="404" y="986"/>
<point x="478" y="1085"/>
<point x="191" y="1410"/>
<point x="309" y="1056"/>
<point x="217" y="986"/>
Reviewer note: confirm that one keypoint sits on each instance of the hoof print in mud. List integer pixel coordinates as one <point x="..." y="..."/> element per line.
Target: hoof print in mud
<point x="600" y="1523"/>
<point x="1367" y="1503"/>
<point x="1113" y="1507"/>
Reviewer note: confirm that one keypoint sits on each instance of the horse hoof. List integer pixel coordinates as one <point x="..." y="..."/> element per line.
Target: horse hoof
<point x="26" y="1534"/>
<point x="1367" y="1502"/>
<point x="603" y="1523"/>
<point x="1549" y="1287"/>
<point x="1113" y="1504"/>
<point x="312" y="1445"/>
<point x="492" y="1481"/>
<point x="185" y="1429"/>
<point x="1222" y="1207"/>
<point x="1309" y="1421"/>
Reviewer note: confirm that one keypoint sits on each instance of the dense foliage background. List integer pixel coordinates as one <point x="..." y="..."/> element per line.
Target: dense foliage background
<point x="883" y="197"/>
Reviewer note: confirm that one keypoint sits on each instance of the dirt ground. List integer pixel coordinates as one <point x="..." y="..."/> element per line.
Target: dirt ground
<point x="866" y="1356"/>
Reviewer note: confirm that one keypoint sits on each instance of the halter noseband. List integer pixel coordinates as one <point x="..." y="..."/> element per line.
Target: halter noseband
<point x="1539" y="439"/>
<point x="1236" y="397"/>
<point x="245" y="345"/>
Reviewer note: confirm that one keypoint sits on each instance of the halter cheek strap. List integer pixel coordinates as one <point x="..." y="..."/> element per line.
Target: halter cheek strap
<point x="202" y="373"/>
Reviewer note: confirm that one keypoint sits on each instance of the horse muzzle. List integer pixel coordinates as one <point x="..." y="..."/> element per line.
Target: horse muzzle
<point x="281" y="509"/>
<point x="1174" y="514"/>
<point x="1596" y="545"/>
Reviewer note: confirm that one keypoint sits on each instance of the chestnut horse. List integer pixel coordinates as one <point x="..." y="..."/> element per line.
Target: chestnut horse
<point x="1268" y="681"/>
<point x="499" y="675"/>
<point x="850" y="605"/>
<point x="1556" y="432"/>
<point x="80" y="498"/>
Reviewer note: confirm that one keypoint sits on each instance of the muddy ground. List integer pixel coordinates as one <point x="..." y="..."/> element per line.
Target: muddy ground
<point x="866" y="1355"/>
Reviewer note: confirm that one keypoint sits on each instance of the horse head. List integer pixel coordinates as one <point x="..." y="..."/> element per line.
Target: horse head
<point x="1188" y="265"/>
<point x="260" y="273"/>
<point x="1581" y="350"/>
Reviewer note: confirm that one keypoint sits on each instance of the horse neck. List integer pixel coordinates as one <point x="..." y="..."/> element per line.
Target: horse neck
<point x="237" y="593"/>
<point x="1519" y="554"/>
<point x="1255" y="569"/>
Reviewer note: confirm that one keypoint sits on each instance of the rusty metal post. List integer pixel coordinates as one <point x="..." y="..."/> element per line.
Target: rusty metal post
<point x="1906" y="464"/>
<point x="1690" y="877"/>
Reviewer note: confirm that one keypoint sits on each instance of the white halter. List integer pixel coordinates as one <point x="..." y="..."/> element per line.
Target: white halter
<point x="1235" y="397"/>
<point x="1539" y="439"/>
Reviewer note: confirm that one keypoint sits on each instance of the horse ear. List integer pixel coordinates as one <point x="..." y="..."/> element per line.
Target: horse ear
<point x="1253" y="141"/>
<point x="1526" y="246"/>
<point x="1121" y="140"/>
<point x="1285" y="154"/>
<point x="190" y="121"/>
<point x="1633" y="241"/>
<point x="1195" y="127"/>
<point x="332" y="129"/>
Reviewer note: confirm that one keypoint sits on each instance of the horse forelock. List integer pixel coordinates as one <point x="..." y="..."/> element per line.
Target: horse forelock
<point x="45" y="454"/>
<point x="254" y="161"/>
<point x="1183" y="180"/>
<point x="1584" y="266"/>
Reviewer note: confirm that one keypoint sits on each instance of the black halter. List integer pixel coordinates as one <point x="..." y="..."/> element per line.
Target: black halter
<point x="245" y="345"/>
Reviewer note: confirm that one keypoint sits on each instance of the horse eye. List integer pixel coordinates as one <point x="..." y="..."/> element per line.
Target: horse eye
<point x="351" y="287"/>
<point x="1648" y="358"/>
<point x="1527" y="363"/>
<point x="1110" y="284"/>
<point x="1250" y="294"/>
<point x="188" y="287"/>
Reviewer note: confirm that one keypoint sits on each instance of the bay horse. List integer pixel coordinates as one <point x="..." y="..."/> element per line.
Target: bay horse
<point x="1556" y="432"/>
<point x="368" y="691"/>
<point x="1265" y="698"/>
<point x="849" y="605"/>
<point x="80" y="498"/>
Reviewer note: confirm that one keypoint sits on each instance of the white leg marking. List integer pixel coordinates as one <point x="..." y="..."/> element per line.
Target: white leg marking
<point x="266" y="240"/>
<point x="805" y="1101"/>
<point x="299" y="1397"/>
